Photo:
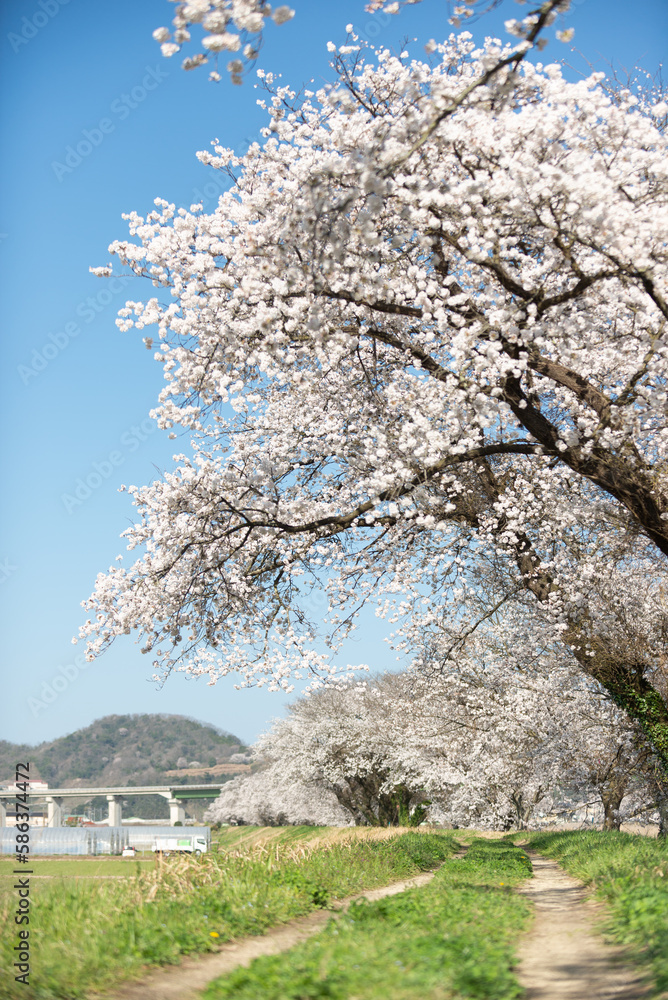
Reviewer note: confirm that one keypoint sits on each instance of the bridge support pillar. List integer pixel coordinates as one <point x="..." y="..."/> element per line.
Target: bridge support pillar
<point x="3" y="814"/>
<point x="54" y="814"/>
<point x="115" y="810"/>
<point x="177" y="813"/>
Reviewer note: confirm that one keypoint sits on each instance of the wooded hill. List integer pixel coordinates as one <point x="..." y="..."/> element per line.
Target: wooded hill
<point x="127" y="750"/>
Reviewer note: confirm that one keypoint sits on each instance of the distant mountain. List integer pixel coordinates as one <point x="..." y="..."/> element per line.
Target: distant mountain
<point x="130" y="750"/>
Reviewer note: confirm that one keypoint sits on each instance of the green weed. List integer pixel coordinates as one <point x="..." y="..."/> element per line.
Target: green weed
<point x="450" y="939"/>
<point x="89" y="934"/>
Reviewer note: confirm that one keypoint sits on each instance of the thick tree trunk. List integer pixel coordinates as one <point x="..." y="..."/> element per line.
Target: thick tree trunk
<point x="662" y="807"/>
<point x="517" y="799"/>
<point x="625" y="681"/>
<point x="360" y="798"/>
<point x="611" y="797"/>
<point x="524" y="807"/>
<point x="629" y="687"/>
<point x="368" y="806"/>
<point x="661" y="789"/>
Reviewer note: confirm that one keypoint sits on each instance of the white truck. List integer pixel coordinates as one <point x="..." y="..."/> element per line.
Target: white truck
<point x="188" y="843"/>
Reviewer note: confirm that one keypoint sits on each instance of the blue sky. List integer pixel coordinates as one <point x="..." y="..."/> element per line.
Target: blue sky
<point x="76" y="392"/>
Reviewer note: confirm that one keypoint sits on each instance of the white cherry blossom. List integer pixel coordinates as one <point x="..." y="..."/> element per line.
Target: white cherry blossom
<point x="420" y="352"/>
<point x="246" y="18"/>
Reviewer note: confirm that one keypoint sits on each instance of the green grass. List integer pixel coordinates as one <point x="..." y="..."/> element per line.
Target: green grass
<point x="450" y="939"/>
<point x="74" y="867"/>
<point x="629" y="872"/>
<point x="91" y="934"/>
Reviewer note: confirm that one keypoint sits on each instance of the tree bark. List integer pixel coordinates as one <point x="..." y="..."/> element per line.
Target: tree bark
<point x="661" y="790"/>
<point x="611" y="797"/>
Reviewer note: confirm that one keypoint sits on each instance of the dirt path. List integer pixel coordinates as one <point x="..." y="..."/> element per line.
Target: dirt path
<point x="186" y="980"/>
<point x="562" y="957"/>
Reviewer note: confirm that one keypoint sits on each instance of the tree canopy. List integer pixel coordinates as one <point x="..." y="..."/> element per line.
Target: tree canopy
<point x="419" y="349"/>
<point x="480" y="745"/>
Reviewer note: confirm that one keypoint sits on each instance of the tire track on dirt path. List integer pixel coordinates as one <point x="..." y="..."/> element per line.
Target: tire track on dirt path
<point x="563" y="957"/>
<point x="186" y="980"/>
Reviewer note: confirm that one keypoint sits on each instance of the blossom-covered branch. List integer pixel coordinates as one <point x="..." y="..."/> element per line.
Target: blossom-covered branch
<point x="411" y="361"/>
<point x="233" y="26"/>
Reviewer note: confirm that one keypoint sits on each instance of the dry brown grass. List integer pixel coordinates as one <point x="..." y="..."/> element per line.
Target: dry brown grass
<point x="178" y="875"/>
<point x="255" y="837"/>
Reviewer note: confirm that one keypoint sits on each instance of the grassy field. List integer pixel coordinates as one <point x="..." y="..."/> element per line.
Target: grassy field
<point x="229" y="839"/>
<point x="232" y="838"/>
<point x="97" y="921"/>
<point x="78" y="867"/>
<point x="451" y="939"/>
<point x="630" y="873"/>
<point x="93" y="933"/>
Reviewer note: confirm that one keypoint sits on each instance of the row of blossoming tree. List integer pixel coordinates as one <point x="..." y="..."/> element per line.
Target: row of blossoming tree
<point x="484" y="746"/>
<point x="420" y="352"/>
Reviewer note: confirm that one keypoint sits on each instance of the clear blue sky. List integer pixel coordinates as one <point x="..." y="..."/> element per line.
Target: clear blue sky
<point x="75" y="390"/>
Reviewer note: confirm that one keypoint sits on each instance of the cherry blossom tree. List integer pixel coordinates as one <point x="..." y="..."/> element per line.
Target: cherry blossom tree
<point x="267" y="799"/>
<point x="349" y="741"/>
<point x="422" y="335"/>
<point x="483" y="746"/>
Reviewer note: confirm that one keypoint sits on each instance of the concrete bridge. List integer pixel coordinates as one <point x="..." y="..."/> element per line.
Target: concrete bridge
<point x="176" y="795"/>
